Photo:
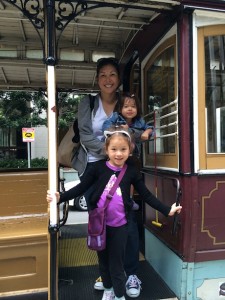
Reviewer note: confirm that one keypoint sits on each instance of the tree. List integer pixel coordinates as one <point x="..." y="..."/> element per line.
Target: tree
<point x="67" y="106"/>
<point x="19" y="109"/>
<point x="22" y="109"/>
<point x="25" y="109"/>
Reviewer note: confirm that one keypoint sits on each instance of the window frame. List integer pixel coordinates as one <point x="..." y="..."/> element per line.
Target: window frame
<point x="207" y="161"/>
<point x="162" y="160"/>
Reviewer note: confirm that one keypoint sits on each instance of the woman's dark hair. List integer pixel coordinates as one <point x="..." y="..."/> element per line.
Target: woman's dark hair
<point x="108" y="61"/>
<point x="133" y="97"/>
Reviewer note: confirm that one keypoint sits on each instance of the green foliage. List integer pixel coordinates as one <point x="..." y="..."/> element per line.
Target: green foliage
<point x="13" y="163"/>
<point x="39" y="163"/>
<point x="68" y="106"/>
<point x="22" y="109"/>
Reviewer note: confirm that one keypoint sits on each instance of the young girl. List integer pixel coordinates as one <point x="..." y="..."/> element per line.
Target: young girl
<point x="111" y="260"/>
<point x="129" y="117"/>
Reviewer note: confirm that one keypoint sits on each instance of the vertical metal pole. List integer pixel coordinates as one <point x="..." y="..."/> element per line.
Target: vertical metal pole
<point x="50" y="60"/>
<point x="52" y="146"/>
<point x="28" y="154"/>
<point x="52" y="183"/>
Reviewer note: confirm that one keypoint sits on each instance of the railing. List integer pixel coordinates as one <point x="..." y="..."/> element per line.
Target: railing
<point x="156" y="118"/>
<point x="65" y="211"/>
<point x="178" y="195"/>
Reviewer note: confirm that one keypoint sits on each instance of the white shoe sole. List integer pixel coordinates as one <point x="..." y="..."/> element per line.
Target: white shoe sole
<point x="133" y="295"/>
<point x="99" y="288"/>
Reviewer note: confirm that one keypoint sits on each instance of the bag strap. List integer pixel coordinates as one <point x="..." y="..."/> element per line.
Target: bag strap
<point x="117" y="182"/>
<point x="92" y="101"/>
<point x="76" y="136"/>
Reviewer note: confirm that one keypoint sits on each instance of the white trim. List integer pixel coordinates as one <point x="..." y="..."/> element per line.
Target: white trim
<point x="159" y="168"/>
<point x="214" y="171"/>
<point x="195" y="95"/>
<point x="52" y="144"/>
<point x="24" y="292"/>
<point x="24" y="216"/>
<point x="207" y="18"/>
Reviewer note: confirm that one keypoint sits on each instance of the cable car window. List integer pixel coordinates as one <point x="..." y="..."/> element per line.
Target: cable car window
<point x="211" y="97"/>
<point x="215" y="93"/>
<point x="160" y="79"/>
<point x="161" y="105"/>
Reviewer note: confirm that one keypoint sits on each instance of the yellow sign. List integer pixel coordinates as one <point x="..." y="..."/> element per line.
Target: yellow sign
<point x="28" y="134"/>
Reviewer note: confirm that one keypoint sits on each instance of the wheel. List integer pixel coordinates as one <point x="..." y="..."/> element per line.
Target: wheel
<point x="80" y="203"/>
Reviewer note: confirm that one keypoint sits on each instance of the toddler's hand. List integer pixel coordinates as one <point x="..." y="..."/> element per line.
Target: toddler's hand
<point x="49" y="197"/>
<point x="175" y="209"/>
<point x="144" y="136"/>
<point x="125" y="126"/>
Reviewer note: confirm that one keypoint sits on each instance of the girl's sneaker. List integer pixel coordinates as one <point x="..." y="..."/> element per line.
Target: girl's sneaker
<point x="133" y="286"/>
<point x="99" y="284"/>
<point x="108" y="295"/>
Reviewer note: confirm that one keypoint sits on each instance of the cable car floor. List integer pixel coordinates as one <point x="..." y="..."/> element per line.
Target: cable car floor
<point x="78" y="270"/>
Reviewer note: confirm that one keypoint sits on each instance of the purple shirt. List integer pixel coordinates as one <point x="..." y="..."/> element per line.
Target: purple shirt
<point x="115" y="212"/>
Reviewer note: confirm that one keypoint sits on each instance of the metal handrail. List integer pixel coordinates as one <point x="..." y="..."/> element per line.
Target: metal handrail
<point x="62" y="221"/>
<point x="178" y="194"/>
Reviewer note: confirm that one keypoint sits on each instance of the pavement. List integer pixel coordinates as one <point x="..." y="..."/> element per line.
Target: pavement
<point x="76" y="217"/>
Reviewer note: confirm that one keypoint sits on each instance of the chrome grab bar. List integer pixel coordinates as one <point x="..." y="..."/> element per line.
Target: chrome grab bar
<point x="64" y="218"/>
<point x="178" y="194"/>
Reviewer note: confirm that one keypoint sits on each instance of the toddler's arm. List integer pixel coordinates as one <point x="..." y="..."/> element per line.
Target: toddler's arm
<point x="145" y="135"/>
<point x="110" y="121"/>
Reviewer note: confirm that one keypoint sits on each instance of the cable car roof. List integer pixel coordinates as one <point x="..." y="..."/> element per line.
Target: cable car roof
<point x="84" y="31"/>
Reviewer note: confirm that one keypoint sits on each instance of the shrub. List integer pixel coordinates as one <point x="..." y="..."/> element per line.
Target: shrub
<point x="13" y="163"/>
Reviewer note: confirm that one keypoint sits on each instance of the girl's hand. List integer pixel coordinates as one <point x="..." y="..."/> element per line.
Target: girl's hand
<point x="175" y="209"/>
<point x="49" y="197"/>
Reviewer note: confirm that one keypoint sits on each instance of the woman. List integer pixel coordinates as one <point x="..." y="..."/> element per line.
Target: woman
<point x="90" y="122"/>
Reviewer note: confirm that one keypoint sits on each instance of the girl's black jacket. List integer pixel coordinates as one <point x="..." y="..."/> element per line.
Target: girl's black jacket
<point x="100" y="175"/>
